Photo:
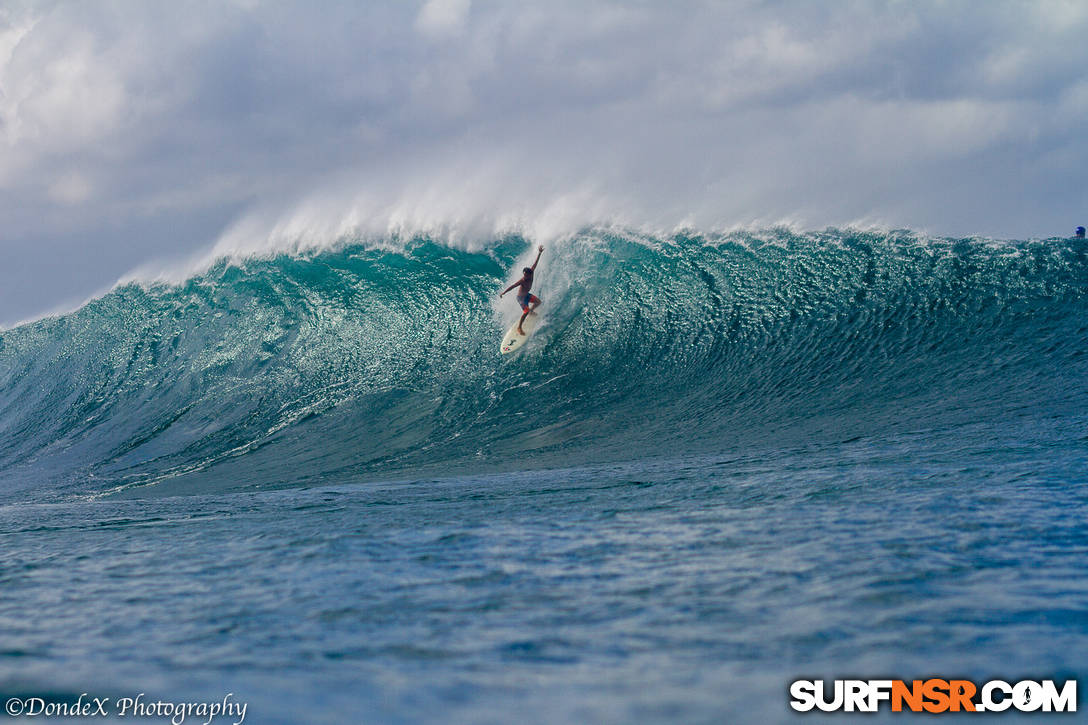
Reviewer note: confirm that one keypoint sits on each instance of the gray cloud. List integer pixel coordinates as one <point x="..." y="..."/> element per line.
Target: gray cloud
<point x="135" y="131"/>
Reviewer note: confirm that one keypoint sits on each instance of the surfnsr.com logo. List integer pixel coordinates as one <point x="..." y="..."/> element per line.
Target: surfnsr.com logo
<point x="933" y="695"/>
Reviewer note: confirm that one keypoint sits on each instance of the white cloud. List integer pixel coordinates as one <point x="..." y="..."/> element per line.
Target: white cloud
<point x="71" y="188"/>
<point x="12" y="31"/>
<point x="70" y="99"/>
<point x="439" y="18"/>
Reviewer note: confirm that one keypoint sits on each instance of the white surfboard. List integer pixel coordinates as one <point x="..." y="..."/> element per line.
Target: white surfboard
<point x="512" y="340"/>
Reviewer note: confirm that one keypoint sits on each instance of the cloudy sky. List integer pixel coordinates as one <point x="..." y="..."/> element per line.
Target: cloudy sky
<point x="139" y="134"/>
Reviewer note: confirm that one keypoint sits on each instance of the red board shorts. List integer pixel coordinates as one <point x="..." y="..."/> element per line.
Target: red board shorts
<point x="524" y="301"/>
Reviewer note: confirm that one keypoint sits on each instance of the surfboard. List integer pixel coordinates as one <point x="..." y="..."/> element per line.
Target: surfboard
<point x="512" y="340"/>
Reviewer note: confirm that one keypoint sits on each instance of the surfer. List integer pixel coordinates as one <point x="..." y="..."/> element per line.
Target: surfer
<point x="1080" y="232"/>
<point x="524" y="297"/>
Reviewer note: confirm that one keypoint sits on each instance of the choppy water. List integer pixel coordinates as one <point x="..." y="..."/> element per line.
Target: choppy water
<point x="723" y="463"/>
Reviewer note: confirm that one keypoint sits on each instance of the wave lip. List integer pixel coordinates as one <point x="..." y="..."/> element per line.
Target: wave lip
<point x="360" y="361"/>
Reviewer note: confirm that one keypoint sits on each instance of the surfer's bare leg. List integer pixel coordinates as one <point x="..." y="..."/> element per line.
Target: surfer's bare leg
<point x="523" y="316"/>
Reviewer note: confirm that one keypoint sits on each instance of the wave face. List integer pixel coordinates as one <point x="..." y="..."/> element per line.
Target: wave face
<point x="360" y="362"/>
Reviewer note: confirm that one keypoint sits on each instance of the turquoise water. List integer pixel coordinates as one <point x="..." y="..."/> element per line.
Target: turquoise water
<point x="724" y="462"/>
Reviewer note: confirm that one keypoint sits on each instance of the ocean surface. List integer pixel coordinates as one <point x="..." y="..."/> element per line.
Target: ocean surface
<point x="724" y="462"/>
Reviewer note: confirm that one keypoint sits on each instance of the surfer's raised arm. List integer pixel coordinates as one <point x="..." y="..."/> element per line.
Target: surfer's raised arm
<point x="526" y="280"/>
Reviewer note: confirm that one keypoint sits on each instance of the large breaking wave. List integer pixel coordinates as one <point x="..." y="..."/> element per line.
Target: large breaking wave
<point x="365" y="361"/>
